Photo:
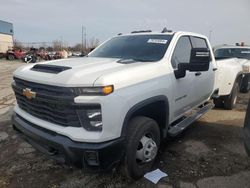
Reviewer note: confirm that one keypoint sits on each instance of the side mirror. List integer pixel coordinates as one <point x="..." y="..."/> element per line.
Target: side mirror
<point x="199" y="61"/>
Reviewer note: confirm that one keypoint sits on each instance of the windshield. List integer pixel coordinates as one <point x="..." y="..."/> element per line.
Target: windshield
<point x="136" y="47"/>
<point x="232" y="52"/>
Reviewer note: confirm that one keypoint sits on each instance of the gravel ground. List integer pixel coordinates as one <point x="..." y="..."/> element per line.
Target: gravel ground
<point x="209" y="154"/>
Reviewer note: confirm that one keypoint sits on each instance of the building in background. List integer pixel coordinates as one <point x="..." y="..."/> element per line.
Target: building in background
<point x="6" y="37"/>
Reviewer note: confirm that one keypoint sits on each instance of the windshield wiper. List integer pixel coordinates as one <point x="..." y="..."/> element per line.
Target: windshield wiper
<point x="133" y="60"/>
<point x="143" y="60"/>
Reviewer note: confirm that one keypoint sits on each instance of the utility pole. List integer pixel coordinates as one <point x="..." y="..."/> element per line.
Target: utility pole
<point x="85" y="41"/>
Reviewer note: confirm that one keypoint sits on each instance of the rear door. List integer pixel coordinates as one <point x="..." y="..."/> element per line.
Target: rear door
<point x="195" y="87"/>
<point x="246" y="132"/>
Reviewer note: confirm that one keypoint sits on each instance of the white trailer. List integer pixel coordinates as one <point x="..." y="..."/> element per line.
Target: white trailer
<point x="6" y="37"/>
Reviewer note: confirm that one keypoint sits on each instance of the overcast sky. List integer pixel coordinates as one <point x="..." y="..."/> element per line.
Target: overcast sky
<point x="47" y="20"/>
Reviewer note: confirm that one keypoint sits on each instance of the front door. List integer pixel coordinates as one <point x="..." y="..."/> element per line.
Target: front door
<point x="184" y="95"/>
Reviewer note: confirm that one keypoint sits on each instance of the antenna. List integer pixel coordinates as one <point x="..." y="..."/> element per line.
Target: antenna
<point x="165" y="30"/>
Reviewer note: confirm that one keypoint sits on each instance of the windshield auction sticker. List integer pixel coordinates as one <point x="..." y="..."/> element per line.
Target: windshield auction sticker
<point x="245" y="52"/>
<point x="157" y="41"/>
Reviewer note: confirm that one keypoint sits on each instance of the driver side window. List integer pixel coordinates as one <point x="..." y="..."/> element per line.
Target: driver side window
<point x="182" y="52"/>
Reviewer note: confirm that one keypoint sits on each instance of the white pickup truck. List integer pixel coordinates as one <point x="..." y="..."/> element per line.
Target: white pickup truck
<point x="242" y="53"/>
<point x="117" y="104"/>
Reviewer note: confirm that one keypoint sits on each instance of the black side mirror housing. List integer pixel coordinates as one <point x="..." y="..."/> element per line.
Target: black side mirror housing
<point x="199" y="61"/>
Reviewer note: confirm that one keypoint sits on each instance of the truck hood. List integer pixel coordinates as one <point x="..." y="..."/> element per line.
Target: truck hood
<point x="238" y="62"/>
<point x="81" y="71"/>
<point x="234" y="63"/>
<point x="244" y="61"/>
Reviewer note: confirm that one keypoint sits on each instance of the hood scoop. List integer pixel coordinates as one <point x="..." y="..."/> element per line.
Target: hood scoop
<point x="126" y="61"/>
<point x="54" y="69"/>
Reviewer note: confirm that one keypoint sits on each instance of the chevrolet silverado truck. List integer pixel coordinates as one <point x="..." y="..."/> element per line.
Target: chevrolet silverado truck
<point x="243" y="55"/>
<point x="116" y="105"/>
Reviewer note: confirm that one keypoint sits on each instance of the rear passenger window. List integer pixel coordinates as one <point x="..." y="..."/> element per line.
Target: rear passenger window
<point x="198" y="42"/>
<point x="182" y="52"/>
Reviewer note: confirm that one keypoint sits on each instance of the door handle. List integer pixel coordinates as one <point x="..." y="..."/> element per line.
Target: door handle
<point x="197" y="73"/>
<point x="214" y="69"/>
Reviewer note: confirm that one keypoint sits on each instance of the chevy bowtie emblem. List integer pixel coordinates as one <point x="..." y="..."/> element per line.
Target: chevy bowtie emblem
<point x="28" y="93"/>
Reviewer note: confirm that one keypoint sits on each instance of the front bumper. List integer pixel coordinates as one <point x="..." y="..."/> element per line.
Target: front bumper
<point x="90" y="156"/>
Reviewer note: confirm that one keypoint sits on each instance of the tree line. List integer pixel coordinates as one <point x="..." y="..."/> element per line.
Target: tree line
<point x="57" y="45"/>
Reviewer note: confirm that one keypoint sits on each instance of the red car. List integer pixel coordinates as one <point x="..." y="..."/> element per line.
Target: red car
<point x="15" y="54"/>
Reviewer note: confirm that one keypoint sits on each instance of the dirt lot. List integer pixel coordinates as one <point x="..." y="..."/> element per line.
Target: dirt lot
<point x="209" y="154"/>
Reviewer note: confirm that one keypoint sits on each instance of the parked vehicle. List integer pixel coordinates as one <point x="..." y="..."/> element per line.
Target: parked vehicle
<point x="246" y="131"/>
<point x="30" y="58"/>
<point x="42" y="54"/>
<point x="117" y="104"/>
<point x="69" y="54"/>
<point x="15" y="54"/>
<point x="51" y="55"/>
<point x="243" y="54"/>
<point x="77" y="54"/>
<point x="229" y="75"/>
<point x="35" y="55"/>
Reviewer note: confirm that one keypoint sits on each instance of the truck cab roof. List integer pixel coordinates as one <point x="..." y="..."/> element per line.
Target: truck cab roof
<point x="165" y="33"/>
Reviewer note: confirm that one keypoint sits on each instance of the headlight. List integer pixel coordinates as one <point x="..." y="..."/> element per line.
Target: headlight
<point x="91" y="119"/>
<point x="102" y="90"/>
<point x="246" y="69"/>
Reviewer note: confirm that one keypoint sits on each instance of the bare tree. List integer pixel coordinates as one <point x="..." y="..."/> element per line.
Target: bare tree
<point x="57" y="45"/>
<point x="49" y="48"/>
<point x="17" y="44"/>
<point x="77" y="47"/>
<point x="93" y="43"/>
<point x="43" y="44"/>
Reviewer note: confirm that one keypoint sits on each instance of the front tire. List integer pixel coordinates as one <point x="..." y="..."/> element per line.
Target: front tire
<point x="142" y="143"/>
<point x="33" y="59"/>
<point x="230" y="100"/>
<point x="10" y="57"/>
<point x="244" y="84"/>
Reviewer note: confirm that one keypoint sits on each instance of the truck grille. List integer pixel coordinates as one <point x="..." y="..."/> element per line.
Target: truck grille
<point x="51" y="103"/>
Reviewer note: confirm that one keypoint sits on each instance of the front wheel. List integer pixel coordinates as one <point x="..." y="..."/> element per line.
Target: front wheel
<point x="244" y="88"/>
<point x="33" y="59"/>
<point x="230" y="100"/>
<point x="10" y="57"/>
<point x="143" y="141"/>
